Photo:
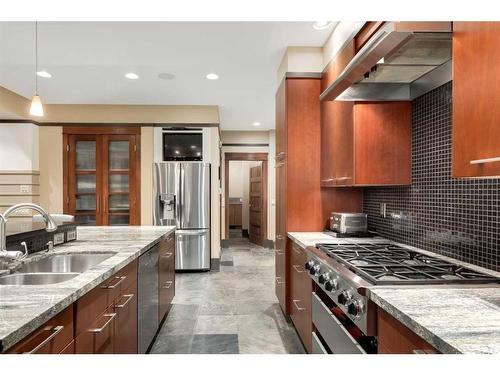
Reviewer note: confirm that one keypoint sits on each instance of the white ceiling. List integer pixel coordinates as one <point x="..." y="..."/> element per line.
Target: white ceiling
<point x="88" y="61"/>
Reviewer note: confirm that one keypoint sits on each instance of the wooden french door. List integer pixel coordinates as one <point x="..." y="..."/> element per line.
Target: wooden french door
<point x="102" y="179"/>
<point x="257" y="204"/>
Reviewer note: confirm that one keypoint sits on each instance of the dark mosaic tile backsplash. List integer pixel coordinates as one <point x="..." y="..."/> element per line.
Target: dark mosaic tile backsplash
<point x="454" y="217"/>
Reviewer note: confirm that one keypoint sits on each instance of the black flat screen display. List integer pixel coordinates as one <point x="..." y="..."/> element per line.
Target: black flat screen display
<point x="182" y="146"/>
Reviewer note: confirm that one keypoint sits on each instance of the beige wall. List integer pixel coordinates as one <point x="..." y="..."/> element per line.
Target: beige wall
<point x="215" y="207"/>
<point x="300" y="60"/>
<point x="147" y="141"/>
<point x="252" y="137"/>
<point x="12" y="105"/>
<point x="51" y="168"/>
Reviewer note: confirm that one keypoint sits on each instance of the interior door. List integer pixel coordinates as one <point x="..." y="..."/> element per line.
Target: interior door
<point x="84" y="199"/>
<point x="256" y="206"/>
<point x="119" y="180"/>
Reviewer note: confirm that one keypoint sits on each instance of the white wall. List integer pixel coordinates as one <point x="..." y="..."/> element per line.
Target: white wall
<point x="19" y="147"/>
<point x="342" y="34"/>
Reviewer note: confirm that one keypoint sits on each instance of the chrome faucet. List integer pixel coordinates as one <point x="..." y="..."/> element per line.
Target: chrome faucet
<point x="50" y="224"/>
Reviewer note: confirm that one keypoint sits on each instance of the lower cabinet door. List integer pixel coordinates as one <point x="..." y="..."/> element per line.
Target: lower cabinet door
<point x="70" y="349"/>
<point x="99" y="337"/>
<point x="166" y="276"/>
<point x="125" y="308"/>
<point x="51" y="338"/>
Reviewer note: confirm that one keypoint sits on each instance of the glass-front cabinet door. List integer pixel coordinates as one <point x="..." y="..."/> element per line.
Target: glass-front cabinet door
<point x="118" y="179"/>
<point x="101" y="174"/>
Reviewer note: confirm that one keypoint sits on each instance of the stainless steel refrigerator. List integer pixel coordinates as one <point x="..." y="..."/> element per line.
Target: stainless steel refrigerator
<point x="182" y="198"/>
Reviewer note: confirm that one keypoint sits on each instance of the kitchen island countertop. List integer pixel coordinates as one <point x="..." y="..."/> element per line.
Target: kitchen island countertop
<point x="25" y="308"/>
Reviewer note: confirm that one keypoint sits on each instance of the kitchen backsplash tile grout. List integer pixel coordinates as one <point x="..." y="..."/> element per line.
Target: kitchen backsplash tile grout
<point x="454" y="217"/>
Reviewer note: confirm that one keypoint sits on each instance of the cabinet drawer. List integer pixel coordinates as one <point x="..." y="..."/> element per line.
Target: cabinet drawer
<point x="126" y="321"/>
<point x="99" y="337"/>
<point x="332" y="331"/>
<point x="51" y="338"/>
<point x="70" y="349"/>
<point x="94" y="303"/>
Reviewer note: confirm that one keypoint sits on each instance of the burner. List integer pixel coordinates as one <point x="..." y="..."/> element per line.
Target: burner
<point x="387" y="263"/>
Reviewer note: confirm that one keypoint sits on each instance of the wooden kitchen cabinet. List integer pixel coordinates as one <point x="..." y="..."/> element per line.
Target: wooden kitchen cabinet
<point x="166" y="275"/>
<point x="298" y="191"/>
<point x="300" y="295"/>
<point x="51" y="338"/>
<point x="395" y="338"/>
<point x="366" y="144"/>
<point x="102" y="175"/>
<point x="106" y="317"/>
<point x="476" y="94"/>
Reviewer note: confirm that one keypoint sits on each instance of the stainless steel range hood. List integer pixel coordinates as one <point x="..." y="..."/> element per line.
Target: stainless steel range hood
<point x="395" y="64"/>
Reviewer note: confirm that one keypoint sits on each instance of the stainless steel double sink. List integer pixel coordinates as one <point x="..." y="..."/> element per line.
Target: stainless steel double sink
<point x="54" y="269"/>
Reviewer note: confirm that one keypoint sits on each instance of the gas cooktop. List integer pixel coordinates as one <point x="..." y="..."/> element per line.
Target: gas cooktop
<point x="390" y="264"/>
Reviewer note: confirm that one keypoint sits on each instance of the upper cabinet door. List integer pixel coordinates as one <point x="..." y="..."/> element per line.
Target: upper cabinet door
<point x="476" y="98"/>
<point x="101" y="174"/>
<point x="84" y="200"/>
<point x="119" y="179"/>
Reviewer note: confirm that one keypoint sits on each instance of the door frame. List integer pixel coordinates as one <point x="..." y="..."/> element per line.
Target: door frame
<point x="94" y="129"/>
<point x="246" y="156"/>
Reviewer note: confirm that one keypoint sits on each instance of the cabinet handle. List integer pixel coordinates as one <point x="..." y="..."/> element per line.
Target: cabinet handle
<point x="297" y="250"/>
<point x="485" y="161"/>
<point x="111" y="316"/>
<point x="278" y="165"/>
<point x="327" y="179"/>
<point x="169" y="283"/>
<point x="279" y="252"/>
<point x="297" y="305"/>
<point x="278" y="280"/>
<point x="55" y="331"/>
<point x="169" y="238"/>
<point x="279" y="237"/>
<point x="167" y="255"/>
<point x="297" y="268"/>
<point x="113" y="286"/>
<point x="129" y="298"/>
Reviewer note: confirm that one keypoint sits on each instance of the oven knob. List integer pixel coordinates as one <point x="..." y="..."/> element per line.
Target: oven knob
<point x="324" y="277"/>
<point x="344" y="297"/>
<point x="314" y="270"/>
<point x="332" y="284"/>
<point x="355" y="308"/>
<point x="309" y="264"/>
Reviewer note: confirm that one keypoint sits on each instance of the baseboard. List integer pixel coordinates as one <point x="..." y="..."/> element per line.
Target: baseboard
<point x="268" y="244"/>
<point x="215" y="264"/>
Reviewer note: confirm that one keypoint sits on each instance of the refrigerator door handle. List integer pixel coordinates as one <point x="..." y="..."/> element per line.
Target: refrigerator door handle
<point x="201" y="232"/>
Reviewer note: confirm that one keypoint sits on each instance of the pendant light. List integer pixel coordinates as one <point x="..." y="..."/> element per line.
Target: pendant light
<point x="36" y="108"/>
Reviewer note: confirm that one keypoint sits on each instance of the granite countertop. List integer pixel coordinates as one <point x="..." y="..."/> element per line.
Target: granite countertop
<point x="453" y="318"/>
<point x="25" y="308"/>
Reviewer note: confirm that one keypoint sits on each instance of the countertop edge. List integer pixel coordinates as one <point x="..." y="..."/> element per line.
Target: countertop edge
<point x="427" y="335"/>
<point x="19" y="334"/>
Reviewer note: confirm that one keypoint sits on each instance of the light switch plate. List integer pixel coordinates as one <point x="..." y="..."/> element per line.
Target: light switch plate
<point x="58" y="238"/>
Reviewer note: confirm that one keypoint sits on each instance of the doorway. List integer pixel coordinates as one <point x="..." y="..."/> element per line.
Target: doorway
<point x="246" y="196"/>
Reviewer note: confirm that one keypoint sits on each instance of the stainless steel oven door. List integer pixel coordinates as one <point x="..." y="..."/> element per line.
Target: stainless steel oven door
<point x="334" y="334"/>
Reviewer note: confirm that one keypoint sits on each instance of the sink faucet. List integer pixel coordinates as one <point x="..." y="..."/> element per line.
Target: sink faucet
<point x="50" y="224"/>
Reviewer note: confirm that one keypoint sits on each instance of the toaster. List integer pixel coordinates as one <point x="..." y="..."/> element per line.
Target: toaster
<point x="347" y="223"/>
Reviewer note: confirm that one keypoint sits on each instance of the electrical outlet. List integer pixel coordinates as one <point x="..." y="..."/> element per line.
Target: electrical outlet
<point x="383" y="209"/>
<point x="24" y="188"/>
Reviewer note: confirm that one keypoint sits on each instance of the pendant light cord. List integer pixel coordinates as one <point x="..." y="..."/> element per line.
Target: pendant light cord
<point x="36" y="57"/>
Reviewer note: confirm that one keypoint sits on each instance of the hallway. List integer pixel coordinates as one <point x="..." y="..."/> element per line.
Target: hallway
<point x="231" y="311"/>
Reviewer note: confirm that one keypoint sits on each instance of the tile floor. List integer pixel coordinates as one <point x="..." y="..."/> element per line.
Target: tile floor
<point x="231" y="311"/>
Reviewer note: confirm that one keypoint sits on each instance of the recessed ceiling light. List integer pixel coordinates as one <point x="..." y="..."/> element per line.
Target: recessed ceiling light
<point x="256" y="123"/>
<point x="43" y="74"/>
<point x="322" y="25"/>
<point x="166" y="76"/>
<point x="131" y="75"/>
<point x="212" y="76"/>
